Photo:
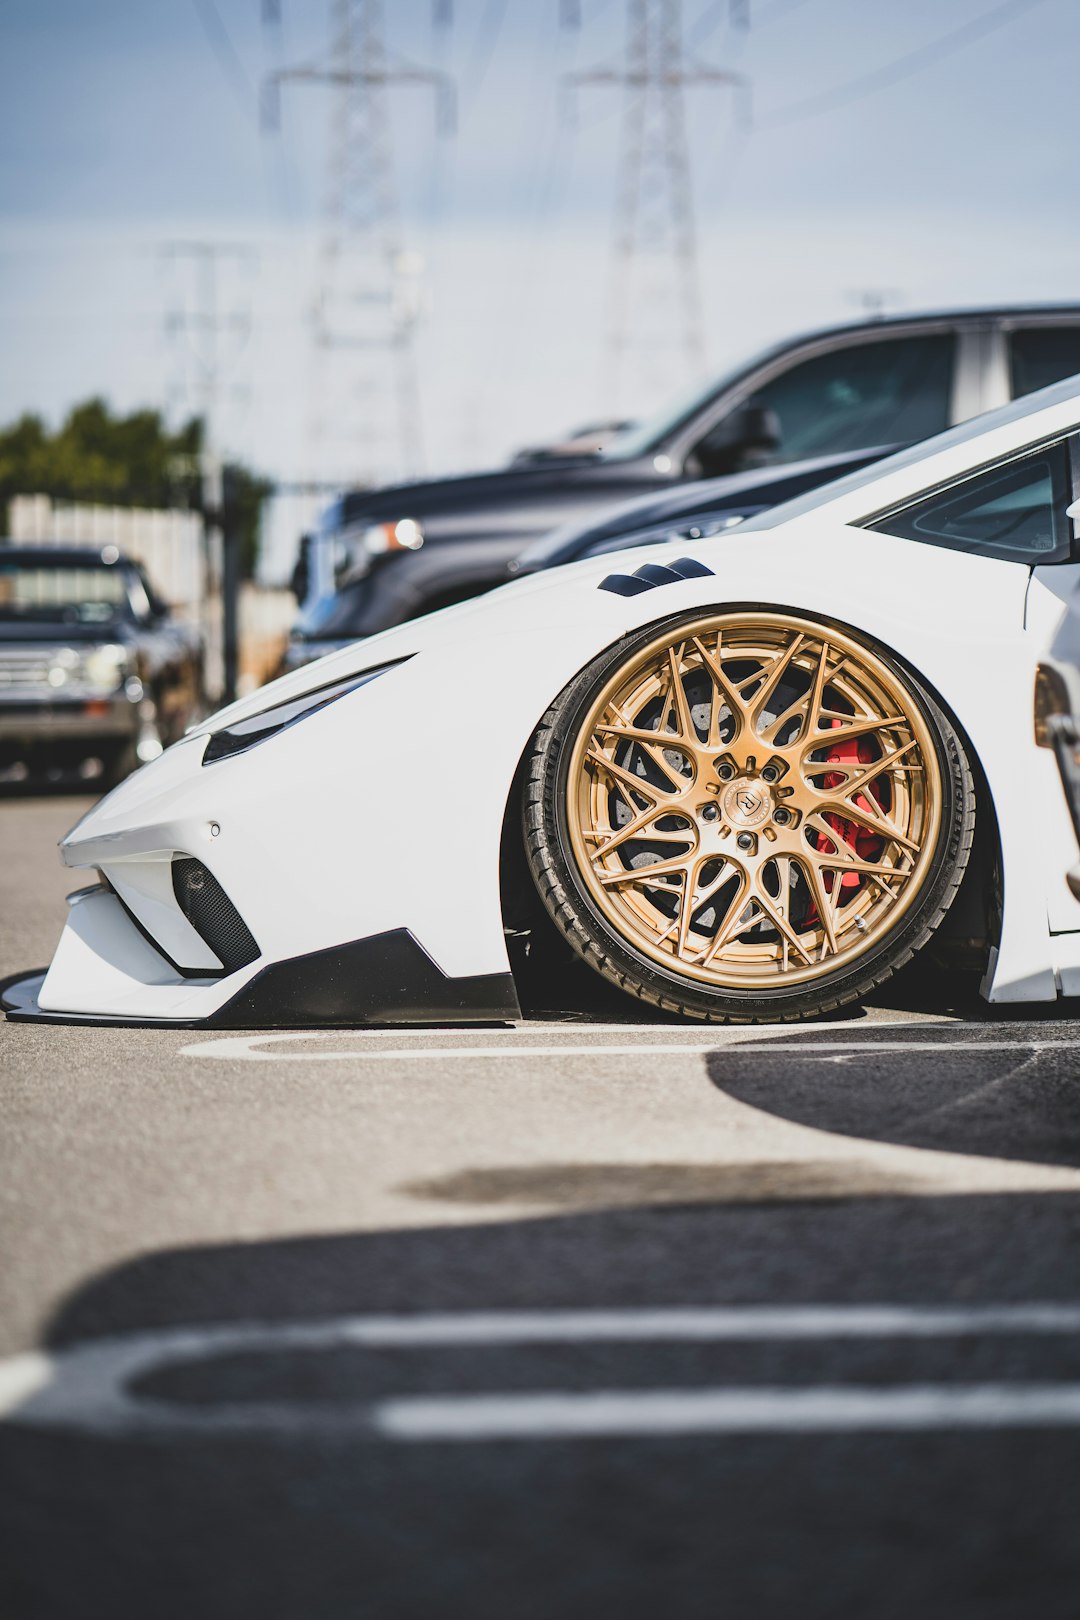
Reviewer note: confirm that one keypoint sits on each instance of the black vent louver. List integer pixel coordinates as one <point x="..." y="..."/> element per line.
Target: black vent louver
<point x="212" y="914"/>
<point x="650" y="575"/>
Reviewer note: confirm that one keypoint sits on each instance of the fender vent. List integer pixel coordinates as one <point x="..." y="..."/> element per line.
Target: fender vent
<point x="650" y="575"/>
<point x="212" y="914"/>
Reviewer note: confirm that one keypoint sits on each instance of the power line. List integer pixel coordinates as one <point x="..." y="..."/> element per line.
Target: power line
<point x="486" y="39"/>
<point x="779" y="8"/>
<point x="902" y="68"/>
<point x="228" y="59"/>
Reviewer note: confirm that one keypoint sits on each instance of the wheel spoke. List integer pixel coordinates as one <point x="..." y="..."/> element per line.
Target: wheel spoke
<point x="778" y="669"/>
<point x="613" y="837"/>
<point x="826" y="903"/>
<point x="857" y="778"/>
<point x="843" y="726"/>
<point x="733" y="924"/>
<point x="723" y="687"/>
<point x="646" y="874"/>
<point x="687" y="729"/>
<point x="627" y="779"/>
<point x="701" y="897"/>
<point x="772" y="913"/>
<point x="874" y="820"/>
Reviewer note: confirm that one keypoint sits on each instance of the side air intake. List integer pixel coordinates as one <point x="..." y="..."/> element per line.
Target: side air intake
<point x="212" y="914"/>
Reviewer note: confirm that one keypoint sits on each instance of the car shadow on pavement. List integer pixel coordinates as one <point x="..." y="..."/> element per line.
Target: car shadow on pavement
<point x="218" y="1523"/>
<point x="1005" y="1090"/>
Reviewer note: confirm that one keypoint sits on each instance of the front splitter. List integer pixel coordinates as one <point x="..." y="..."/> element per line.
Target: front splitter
<point x="19" y="1001"/>
<point x="383" y="980"/>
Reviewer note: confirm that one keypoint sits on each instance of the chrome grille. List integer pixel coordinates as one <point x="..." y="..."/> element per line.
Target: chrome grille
<point x="21" y="667"/>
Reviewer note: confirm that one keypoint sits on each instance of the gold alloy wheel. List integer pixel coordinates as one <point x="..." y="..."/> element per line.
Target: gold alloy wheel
<point x="754" y="801"/>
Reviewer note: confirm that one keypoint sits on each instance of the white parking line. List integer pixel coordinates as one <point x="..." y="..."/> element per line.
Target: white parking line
<point x="92" y="1387"/>
<point x="515" y="1044"/>
<point x="526" y="1040"/>
<point x="636" y="1414"/>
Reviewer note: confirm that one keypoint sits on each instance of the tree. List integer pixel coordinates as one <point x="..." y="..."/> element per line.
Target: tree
<point x="120" y="461"/>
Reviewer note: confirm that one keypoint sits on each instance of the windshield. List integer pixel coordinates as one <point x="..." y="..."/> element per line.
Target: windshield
<point x="650" y="434"/>
<point x="32" y="591"/>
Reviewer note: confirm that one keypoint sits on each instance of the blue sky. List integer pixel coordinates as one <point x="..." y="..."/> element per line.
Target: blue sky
<point x="122" y="127"/>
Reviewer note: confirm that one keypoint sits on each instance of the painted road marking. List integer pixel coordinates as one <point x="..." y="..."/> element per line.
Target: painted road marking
<point x="638" y="1414"/>
<point x="527" y="1041"/>
<point x="91" y="1387"/>
<point x="260" y="1048"/>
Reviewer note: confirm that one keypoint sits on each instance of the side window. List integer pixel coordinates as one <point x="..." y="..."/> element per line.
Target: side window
<point x="1015" y="511"/>
<point x="888" y="392"/>
<point x="1041" y="355"/>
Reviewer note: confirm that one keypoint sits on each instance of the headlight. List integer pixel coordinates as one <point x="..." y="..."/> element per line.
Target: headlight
<point x="105" y="667"/>
<point x="404" y="535"/>
<point x="65" y="665"/>
<point x="257" y="728"/>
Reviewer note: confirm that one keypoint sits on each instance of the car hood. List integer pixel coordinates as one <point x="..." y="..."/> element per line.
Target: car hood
<point x="463" y="490"/>
<point x="60" y="632"/>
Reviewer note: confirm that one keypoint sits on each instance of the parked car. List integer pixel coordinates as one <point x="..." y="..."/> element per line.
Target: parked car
<point x="748" y="781"/>
<point x="96" y="674"/>
<point x="370" y="601"/>
<point x="884" y="382"/>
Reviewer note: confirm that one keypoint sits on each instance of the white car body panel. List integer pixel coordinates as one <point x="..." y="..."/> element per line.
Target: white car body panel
<point x="384" y="810"/>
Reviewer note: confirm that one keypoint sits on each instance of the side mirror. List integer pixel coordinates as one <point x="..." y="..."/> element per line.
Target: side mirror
<point x="745" y="438"/>
<point x="760" y="428"/>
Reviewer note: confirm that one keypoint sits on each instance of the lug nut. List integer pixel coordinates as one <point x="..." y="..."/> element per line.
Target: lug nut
<point x="781" y="816"/>
<point x="745" y="840"/>
<point x="725" y="772"/>
<point x="770" y="774"/>
<point x="710" y="812"/>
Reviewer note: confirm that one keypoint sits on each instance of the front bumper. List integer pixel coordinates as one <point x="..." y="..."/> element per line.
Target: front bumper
<point x="321" y="842"/>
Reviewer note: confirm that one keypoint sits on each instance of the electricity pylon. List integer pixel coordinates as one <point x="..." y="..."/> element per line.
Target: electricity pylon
<point x="654" y="212"/>
<point x="368" y="302"/>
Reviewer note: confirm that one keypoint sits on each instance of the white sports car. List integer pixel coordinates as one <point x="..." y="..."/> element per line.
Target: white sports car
<point x="746" y="784"/>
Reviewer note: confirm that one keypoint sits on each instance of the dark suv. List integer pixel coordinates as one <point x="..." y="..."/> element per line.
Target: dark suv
<point x="412" y="548"/>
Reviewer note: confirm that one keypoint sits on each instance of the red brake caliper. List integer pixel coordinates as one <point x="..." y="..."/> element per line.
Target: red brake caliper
<point x="866" y="845"/>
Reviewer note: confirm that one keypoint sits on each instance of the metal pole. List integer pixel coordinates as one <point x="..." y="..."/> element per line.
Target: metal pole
<point x="230" y="590"/>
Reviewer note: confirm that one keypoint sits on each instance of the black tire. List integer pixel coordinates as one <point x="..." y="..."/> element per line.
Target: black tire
<point x="613" y="955"/>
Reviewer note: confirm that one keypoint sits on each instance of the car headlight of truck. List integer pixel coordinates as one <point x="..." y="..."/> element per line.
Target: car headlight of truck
<point x="106" y="667"/>
<point x="404" y="535"/>
<point x="65" y="666"/>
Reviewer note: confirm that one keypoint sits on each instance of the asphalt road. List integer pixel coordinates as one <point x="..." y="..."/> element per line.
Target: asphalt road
<point x="591" y="1316"/>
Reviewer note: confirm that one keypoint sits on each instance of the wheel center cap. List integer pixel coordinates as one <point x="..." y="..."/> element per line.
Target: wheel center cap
<point x="747" y="803"/>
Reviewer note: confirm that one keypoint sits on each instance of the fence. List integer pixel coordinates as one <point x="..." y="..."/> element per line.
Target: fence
<point x="170" y="547"/>
<point x="168" y="544"/>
